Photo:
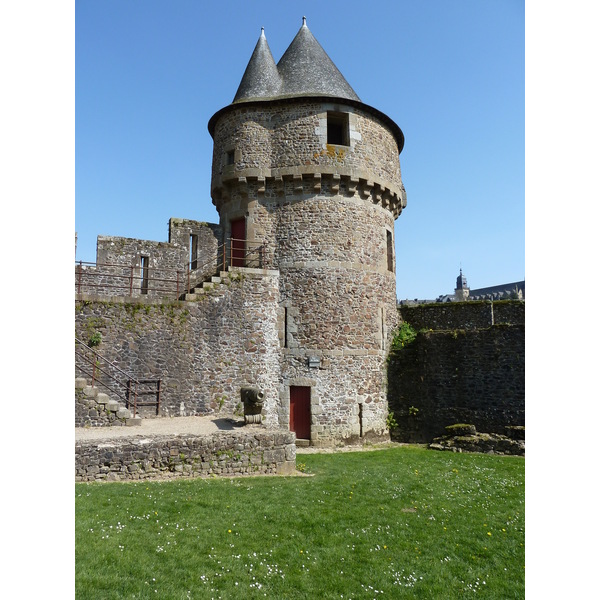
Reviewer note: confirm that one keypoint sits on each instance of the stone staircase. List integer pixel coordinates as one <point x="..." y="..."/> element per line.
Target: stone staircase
<point x="213" y="284"/>
<point x="96" y="409"/>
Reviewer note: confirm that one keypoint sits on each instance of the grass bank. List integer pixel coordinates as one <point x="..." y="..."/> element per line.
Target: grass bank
<point x="396" y="523"/>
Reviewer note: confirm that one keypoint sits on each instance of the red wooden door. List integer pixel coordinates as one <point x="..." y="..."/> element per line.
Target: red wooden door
<point x="300" y="411"/>
<point x="238" y="243"/>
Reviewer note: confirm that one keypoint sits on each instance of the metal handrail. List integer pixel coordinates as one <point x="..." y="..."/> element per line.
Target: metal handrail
<point x="131" y="385"/>
<point x="134" y="274"/>
<point x="181" y="280"/>
<point x="214" y="259"/>
<point x="259" y="250"/>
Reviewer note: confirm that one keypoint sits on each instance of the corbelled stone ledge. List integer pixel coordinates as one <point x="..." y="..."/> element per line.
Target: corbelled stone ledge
<point x="164" y="457"/>
<point x="302" y="182"/>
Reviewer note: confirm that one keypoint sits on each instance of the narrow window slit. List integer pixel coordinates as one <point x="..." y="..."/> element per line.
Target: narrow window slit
<point x="144" y="264"/>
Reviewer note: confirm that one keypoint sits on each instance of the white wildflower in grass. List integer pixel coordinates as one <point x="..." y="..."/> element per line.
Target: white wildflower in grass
<point x="405" y="580"/>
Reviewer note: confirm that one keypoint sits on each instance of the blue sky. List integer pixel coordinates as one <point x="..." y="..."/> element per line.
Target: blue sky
<point x="149" y="75"/>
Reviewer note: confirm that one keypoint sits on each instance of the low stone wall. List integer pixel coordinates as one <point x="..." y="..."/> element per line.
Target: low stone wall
<point x="162" y="457"/>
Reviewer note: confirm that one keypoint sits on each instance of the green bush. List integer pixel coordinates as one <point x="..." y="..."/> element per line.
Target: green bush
<point x="405" y="334"/>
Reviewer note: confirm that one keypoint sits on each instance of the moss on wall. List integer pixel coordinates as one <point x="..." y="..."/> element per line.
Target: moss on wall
<point x="447" y="375"/>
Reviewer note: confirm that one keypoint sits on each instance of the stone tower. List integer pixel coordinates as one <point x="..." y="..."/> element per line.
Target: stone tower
<point x="303" y="166"/>
<point x="461" y="291"/>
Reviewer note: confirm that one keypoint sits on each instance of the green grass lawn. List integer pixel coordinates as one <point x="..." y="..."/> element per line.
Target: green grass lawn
<point x="396" y="523"/>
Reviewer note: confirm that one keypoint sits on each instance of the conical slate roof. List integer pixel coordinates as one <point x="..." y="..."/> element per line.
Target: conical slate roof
<point x="261" y="78"/>
<point x="304" y="70"/>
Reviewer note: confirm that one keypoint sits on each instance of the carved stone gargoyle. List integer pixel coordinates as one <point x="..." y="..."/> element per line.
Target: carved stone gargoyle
<point x="253" y="403"/>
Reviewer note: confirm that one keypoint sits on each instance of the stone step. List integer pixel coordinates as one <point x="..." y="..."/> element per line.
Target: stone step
<point x="106" y="402"/>
<point x="112" y="405"/>
<point x="80" y="383"/>
<point x="123" y="413"/>
<point x="102" y="398"/>
<point x="90" y="391"/>
<point x="216" y="282"/>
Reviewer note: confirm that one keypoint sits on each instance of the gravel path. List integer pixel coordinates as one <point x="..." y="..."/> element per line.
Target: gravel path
<point x="162" y="426"/>
<point x="199" y="426"/>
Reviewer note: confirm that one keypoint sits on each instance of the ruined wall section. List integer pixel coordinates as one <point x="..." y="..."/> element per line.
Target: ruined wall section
<point x="119" y="269"/>
<point x="203" y="351"/>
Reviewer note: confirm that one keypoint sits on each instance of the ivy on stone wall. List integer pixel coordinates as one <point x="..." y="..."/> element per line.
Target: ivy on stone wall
<point x="404" y="335"/>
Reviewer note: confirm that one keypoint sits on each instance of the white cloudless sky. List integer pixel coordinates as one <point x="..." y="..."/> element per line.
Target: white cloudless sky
<point x="451" y="74"/>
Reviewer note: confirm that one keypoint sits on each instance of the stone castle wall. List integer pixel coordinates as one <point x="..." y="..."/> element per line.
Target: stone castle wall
<point x="324" y="316"/>
<point x="203" y="351"/>
<point x="459" y="369"/>
<point x="472" y="314"/>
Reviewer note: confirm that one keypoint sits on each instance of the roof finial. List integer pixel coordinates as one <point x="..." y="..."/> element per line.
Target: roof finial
<point x="303" y="21"/>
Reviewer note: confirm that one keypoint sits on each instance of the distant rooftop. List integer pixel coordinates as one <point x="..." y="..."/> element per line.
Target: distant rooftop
<point x="498" y="291"/>
<point x="504" y="291"/>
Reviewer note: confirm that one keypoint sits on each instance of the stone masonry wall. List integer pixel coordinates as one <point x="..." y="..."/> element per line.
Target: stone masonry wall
<point x="451" y="374"/>
<point x="275" y="140"/>
<point x="327" y="214"/>
<point x="348" y="403"/>
<point x="472" y="314"/>
<point x="231" y="453"/>
<point x="118" y="269"/>
<point x="203" y="351"/>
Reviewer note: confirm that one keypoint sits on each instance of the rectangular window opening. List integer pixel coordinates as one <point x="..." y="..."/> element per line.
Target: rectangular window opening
<point x="338" y="129"/>
<point x="230" y="160"/>
<point x="390" y="251"/>
<point x="285" y="328"/>
<point x="360" y="418"/>
<point x="193" y="251"/>
<point x="145" y="264"/>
